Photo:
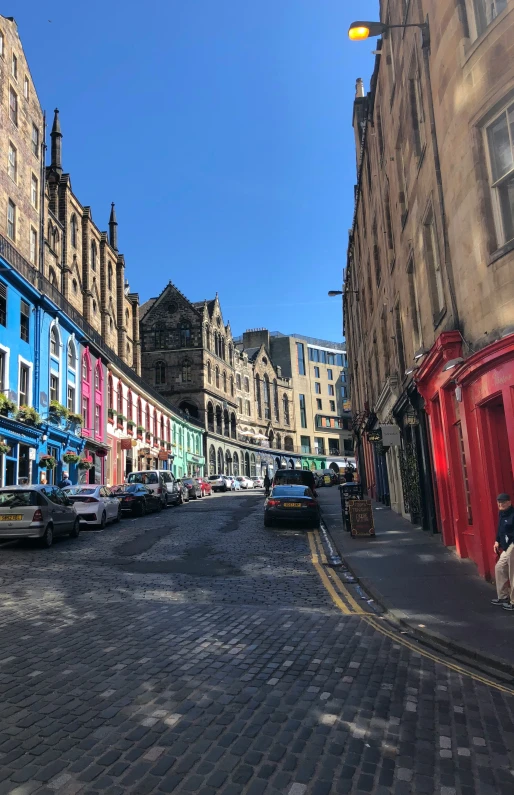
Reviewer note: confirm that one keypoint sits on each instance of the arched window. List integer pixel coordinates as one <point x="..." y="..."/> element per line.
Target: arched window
<point x="186" y="371"/>
<point x="110" y="393"/>
<point x="288" y="443"/>
<point x="185" y="335"/>
<point x="98" y="376"/>
<point x="221" y="461"/>
<point x="224" y="381"/>
<point x="210" y="417"/>
<point x="271" y="438"/>
<point x="169" y="431"/>
<point x="252" y="466"/>
<point x="258" y="395"/>
<point x="93" y="255"/>
<point x="139" y="413"/>
<point x="147" y="423"/>
<point x="129" y="405"/>
<point x="94" y="306"/>
<point x="235" y="464"/>
<point x="233" y="426"/>
<point x="275" y="399"/>
<point x="247" y="384"/>
<point x="238" y="381"/>
<point x="72" y="355"/>
<point x="160" y="373"/>
<point x="162" y="429"/>
<point x="75" y="286"/>
<point x="278" y="442"/>
<point x="212" y="460"/>
<point x="85" y="368"/>
<point x="55" y="240"/>
<point x="73" y="230"/>
<point x="54" y="341"/>
<point x="265" y="389"/>
<point x="155" y="423"/>
<point x="127" y="318"/>
<point x="109" y="277"/>
<point x="223" y="353"/>
<point x="232" y="385"/>
<point x="285" y="402"/>
<point x="231" y="355"/>
<point x="119" y="407"/>
<point x="207" y="338"/>
<point x="209" y="373"/>
<point x="217" y="376"/>
<point x="53" y="278"/>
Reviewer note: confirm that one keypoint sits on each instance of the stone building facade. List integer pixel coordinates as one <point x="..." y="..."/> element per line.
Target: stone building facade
<point x="429" y="283"/>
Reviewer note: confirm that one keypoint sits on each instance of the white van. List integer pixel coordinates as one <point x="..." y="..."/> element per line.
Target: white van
<point x="160" y="481"/>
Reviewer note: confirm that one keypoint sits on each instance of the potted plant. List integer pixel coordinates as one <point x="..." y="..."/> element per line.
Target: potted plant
<point x="140" y="431"/>
<point x="85" y="463"/>
<point x="57" y="410"/>
<point x="47" y="462"/>
<point x="148" y="436"/>
<point x="70" y="457"/>
<point x="111" y="413"/>
<point x="6" y="406"/>
<point x="120" y="419"/>
<point x="75" y="419"/>
<point x="4" y="448"/>
<point x="130" y="426"/>
<point x="28" y="415"/>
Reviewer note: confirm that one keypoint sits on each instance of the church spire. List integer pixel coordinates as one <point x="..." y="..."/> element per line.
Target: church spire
<point x="113" y="228"/>
<point x="56" y="136"/>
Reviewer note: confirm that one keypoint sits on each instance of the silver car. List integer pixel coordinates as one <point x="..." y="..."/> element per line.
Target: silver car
<point x="41" y="512"/>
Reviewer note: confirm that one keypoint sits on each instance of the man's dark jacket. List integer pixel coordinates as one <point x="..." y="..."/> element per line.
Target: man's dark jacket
<point x="505" y="534"/>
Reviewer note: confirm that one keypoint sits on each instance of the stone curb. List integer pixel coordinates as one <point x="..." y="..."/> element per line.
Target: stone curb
<point x="488" y="664"/>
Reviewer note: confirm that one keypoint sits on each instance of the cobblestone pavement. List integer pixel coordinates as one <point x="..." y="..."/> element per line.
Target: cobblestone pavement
<point x="193" y="651"/>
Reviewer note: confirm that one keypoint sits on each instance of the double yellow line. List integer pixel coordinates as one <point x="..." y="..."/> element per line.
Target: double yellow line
<point x="345" y="602"/>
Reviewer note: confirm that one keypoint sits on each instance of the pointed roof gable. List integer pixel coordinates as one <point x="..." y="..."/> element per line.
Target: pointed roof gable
<point x="167" y="292"/>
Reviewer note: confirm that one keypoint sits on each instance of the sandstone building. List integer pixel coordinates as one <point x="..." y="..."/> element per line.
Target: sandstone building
<point x="429" y="301"/>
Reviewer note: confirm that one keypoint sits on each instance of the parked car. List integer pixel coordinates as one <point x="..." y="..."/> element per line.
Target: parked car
<point x="137" y="499"/>
<point x="95" y="505"/>
<point x="193" y="487"/>
<point x="41" y="512"/>
<point x="292" y="477"/>
<point x="245" y="482"/>
<point x="172" y="491"/>
<point x="218" y="482"/>
<point x="153" y="480"/>
<point x="205" y="486"/>
<point x="184" y="491"/>
<point x="258" y="483"/>
<point x="292" y="503"/>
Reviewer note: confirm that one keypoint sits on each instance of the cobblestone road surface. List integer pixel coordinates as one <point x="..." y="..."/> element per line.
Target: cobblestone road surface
<point x="193" y="651"/>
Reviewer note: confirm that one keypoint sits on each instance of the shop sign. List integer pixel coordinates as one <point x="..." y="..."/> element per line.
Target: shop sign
<point x="390" y="435"/>
<point x="195" y="459"/>
<point x="361" y="518"/>
<point x="163" y="455"/>
<point x="126" y="444"/>
<point x="375" y="436"/>
<point x="32" y="453"/>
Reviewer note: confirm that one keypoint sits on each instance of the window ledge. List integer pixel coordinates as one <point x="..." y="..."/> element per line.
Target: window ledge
<point x="501" y="252"/>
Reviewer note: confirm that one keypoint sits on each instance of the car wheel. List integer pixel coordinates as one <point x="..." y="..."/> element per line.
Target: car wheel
<point x="75" y="529"/>
<point x="142" y="508"/>
<point x="118" y="515"/>
<point x="159" y="507"/>
<point x="267" y="522"/>
<point x="103" y="521"/>
<point x="224" y="488"/>
<point x="46" y="540"/>
<point x="180" y="499"/>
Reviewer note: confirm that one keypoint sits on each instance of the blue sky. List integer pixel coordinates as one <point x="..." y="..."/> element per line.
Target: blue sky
<point x="222" y="130"/>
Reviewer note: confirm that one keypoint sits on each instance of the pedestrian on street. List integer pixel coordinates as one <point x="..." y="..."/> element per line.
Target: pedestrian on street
<point x="504" y="548"/>
<point x="65" y="481"/>
<point x="267" y="484"/>
<point x="42" y="478"/>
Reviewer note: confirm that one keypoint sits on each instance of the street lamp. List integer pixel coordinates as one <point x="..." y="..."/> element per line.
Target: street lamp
<point x="335" y="292"/>
<point x="452" y="363"/>
<point x="359" y="31"/>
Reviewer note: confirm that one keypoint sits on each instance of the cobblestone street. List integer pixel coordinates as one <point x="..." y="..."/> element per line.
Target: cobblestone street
<point x="193" y="651"/>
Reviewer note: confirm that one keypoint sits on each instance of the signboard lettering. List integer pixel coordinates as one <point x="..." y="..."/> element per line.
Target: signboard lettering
<point x="375" y="436"/>
<point x="361" y="518"/>
<point x="390" y="435"/>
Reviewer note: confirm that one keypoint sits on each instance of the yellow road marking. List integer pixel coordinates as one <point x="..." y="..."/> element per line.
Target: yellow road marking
<point x="316" y="549"/>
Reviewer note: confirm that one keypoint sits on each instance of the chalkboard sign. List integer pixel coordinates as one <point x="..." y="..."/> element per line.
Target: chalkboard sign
<point x="348" y="492"/>
<point x="361" y="518"/>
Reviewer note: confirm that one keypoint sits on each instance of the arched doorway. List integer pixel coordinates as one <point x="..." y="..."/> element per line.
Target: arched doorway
<point x="228" y="463"/>
<point x="220" y="461"/>
<point x="236" y="464"/>
<point x="253" y="473"/>
<point x="190" y="408"/>
<point x="288" y="443"/>
<point x="334" y="466"/>
<point x="226" y="423"/>
<point x="212" y="460"/>
<point x="290" y="464"/>
<point x="233" y="427"/>
<point x="210" y="417"/>
<point x="247" y="465"/>
<point x="219" y="421"/>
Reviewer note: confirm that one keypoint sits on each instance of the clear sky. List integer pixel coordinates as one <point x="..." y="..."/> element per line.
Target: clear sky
<point x="222" y="130"/>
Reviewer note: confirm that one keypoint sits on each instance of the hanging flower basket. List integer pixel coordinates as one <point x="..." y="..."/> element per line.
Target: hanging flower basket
<point x="101" y="453"/>
<point x="71" y="458"/>
<point x="85" y="463"/>
<point x="4" y="448"/>
<point x="131" y="424"/>
<point x="28" y="415"/>
<point x="47" y="462"/>
<point x="111" y="413"/>
<point x="6" y="406"/>
<point x="120" y="419"/>
<point x="58" y="410"/>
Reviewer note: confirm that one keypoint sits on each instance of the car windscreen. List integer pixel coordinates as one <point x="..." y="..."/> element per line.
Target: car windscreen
<point x="214" y="477"/>
<point x="77" y="490"/>
<point x="291" y="491"/>
<point x="19" y="499"/>
<point x="187" y="480"/>
<point x="143" y="477"/>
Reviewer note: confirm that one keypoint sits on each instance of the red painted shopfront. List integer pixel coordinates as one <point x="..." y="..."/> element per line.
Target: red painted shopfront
<point x="471" y="418"/>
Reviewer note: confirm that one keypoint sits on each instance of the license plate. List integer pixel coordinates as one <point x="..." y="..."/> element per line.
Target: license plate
<point x="11" y="517"/>
<point x="292" y="505"/>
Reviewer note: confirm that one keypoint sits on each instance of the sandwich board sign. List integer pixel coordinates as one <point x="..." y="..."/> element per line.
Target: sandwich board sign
<point x="361" y="518"/>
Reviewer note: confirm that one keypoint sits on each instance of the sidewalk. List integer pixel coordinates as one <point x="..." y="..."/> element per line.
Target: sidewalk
<point x="424" y="585"/>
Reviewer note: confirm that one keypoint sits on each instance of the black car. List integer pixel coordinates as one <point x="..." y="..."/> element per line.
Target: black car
<point x="137" y="499"/>
<point x="292" y="504"/>
<point x="293" y="477"/>
<point x="193" y="487"/>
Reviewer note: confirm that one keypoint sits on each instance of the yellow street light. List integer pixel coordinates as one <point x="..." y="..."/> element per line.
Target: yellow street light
<point x="359" y="31"/>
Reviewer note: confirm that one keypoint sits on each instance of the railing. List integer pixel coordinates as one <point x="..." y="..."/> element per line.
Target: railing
<point x="41" y="283"/>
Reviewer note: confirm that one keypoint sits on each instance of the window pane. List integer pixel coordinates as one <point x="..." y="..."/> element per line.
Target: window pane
<point x="500" y="147"/>
<point x="506" y="193"/>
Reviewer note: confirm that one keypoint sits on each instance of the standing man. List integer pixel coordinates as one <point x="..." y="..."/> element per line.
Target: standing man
<point x="267" y="484"/>
<point x="504" y="548"/>
<point x="65" y="481"/>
